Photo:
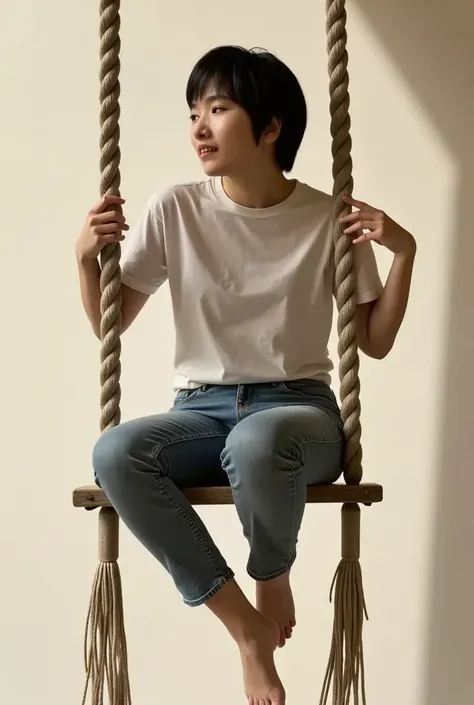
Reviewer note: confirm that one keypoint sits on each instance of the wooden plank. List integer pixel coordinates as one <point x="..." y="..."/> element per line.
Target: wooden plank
<point x="91" y="497"/>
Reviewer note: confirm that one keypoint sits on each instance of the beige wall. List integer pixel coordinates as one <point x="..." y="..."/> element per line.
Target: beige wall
<point x="413" y="152"/>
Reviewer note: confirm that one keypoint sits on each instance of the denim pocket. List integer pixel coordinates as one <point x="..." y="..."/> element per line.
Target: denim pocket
<point x="306" y="387"/>
<point x="184" y="395"/>
<point x="316" y="392"/>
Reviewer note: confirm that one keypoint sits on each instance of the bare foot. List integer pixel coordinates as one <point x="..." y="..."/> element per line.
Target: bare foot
<point x="275" y="600"/>
<point x="261" y="682"/>
<point x="257" y="637"/>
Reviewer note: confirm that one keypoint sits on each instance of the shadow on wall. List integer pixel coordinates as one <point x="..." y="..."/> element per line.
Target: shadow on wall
<point x="432" y="44"/>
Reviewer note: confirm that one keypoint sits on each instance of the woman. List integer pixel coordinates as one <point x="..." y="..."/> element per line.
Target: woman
<point x="248" y="254"/>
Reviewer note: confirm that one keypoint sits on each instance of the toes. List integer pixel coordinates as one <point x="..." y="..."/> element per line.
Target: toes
<point x="288" y="631"/>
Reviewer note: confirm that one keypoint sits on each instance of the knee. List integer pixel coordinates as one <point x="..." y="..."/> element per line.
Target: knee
<point x="251" y="457"/>
<point x="110" y="458"/>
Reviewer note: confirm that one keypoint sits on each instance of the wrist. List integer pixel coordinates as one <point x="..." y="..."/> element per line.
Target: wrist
<point x="407" y="254"/>
<point x="85" y="261"/>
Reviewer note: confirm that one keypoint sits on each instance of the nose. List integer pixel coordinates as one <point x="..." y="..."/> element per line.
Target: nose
<point x="201" y="129"/>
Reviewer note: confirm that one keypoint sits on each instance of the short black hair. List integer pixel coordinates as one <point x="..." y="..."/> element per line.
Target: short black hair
<point x="263" y="86"/>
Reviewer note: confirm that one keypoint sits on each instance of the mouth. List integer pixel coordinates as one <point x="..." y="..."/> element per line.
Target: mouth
<point x="205" y="151"/>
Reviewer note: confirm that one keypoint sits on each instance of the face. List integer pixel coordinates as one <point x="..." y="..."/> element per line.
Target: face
<point x="221" y="134"/>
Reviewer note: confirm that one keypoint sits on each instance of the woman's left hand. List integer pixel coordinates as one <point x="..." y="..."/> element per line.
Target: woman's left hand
<point x="368" y="223"/>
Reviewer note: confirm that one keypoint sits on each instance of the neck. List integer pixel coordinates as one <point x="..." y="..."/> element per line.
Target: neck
<point x="261" y="188"/>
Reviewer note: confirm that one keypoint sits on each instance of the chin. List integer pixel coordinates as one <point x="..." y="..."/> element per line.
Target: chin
<point x="211" y="169"/>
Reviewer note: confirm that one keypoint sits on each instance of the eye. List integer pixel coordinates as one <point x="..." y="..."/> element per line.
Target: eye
<point x="193" y="117"/>
<point x="218" y="109"/>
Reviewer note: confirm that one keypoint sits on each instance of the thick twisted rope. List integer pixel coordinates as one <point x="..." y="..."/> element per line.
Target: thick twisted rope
<point x="110" y="280"/>
<point x="345" y="669"/>
<point x="105" y="647"/>
<point x="345" y="279"/>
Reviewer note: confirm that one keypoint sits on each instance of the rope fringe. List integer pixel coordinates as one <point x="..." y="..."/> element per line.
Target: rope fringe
<point x="105" y="647"/>
<point x="345" y="670"/>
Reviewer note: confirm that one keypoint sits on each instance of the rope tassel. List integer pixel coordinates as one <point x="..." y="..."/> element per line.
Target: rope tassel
<point x="345" y="670"/>
<point x="105" y="646"/>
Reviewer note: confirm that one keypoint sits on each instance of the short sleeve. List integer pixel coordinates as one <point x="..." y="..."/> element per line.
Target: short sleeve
<point x="369" y="285"/>
<point x="143" y="260"/>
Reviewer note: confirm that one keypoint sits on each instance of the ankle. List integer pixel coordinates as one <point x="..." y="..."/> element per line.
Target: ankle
<point x="236" y="613"/>
<point x="247" y="629"/>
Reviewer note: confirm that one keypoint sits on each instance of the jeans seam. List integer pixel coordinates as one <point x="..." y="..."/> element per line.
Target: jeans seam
<point x="222" y="580"/>
<point x="289" y="560"/>
<point x="182" y="510"/>
<point x="322" y="440"/>
<point x="297" y="464"/>
<point x="276" y="574"/>
<point x="293" y="514"/>
<point x="198" y="535"/>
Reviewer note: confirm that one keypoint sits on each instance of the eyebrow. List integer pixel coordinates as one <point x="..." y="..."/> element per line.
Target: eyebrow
<point x="212" y="98"/>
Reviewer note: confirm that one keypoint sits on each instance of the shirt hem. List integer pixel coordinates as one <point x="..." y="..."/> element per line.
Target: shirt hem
<point x="138" y="285"/>
<point x="368" y="296"/>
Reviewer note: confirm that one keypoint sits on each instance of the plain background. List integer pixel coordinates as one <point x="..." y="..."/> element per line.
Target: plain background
<point x="411" y="66"/>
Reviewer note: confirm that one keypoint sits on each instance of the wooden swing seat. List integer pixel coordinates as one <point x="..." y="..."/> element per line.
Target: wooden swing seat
<point x="92" y="497"/>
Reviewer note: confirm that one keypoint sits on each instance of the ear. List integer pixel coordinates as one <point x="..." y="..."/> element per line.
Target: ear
<point x="272" y="132"/>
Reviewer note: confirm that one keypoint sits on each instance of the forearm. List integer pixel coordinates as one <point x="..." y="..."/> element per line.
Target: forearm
<point x="89" y="281"/>
<point x="389" y="310"/>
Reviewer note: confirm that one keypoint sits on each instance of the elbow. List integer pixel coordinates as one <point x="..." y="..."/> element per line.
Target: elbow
<point x="380" y="350"/>
<point x="380" y="354"/>
<point x="376" y="349"/>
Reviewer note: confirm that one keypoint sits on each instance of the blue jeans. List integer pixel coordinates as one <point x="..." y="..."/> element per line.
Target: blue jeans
<point x="268" y="441"/>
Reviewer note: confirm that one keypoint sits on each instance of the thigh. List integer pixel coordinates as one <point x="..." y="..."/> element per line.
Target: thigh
<point x="191" y="449"/>
<point x="310" y="436"/>
<point x="182" y="445"/>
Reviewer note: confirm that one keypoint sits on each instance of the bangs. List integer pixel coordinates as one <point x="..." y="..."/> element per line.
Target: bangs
<point x="220" y="71"/>
<point x="208" y="82"/>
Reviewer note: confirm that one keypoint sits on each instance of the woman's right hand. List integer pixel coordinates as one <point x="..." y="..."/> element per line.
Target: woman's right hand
<point x="104" y="225"/>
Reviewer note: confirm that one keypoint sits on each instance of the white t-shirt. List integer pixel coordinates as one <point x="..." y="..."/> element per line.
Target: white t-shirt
<point x="251" y="288"/>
